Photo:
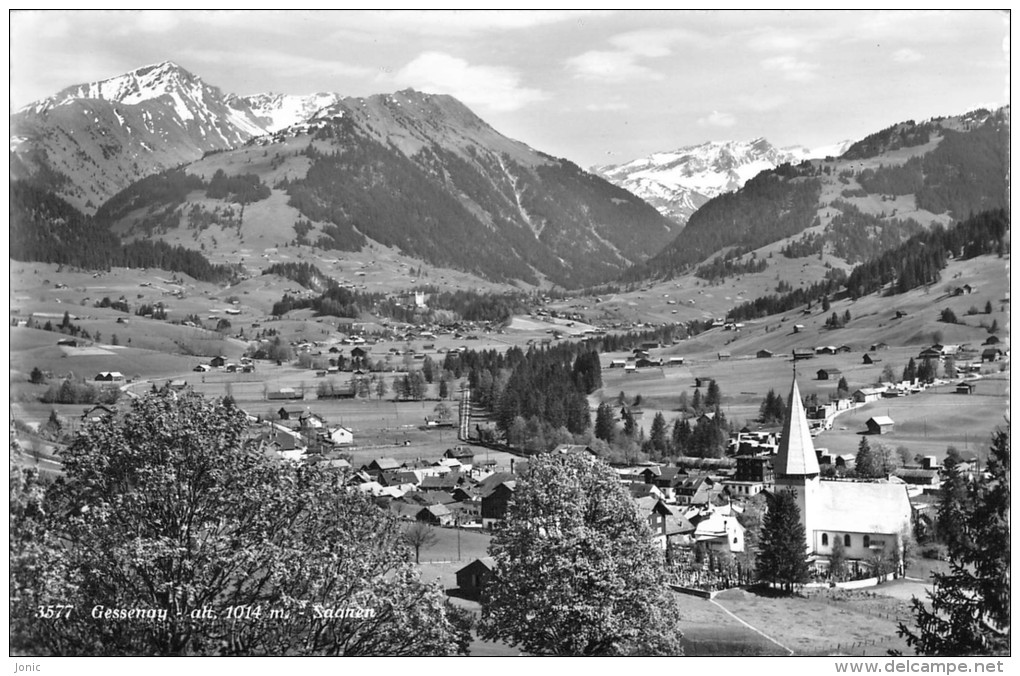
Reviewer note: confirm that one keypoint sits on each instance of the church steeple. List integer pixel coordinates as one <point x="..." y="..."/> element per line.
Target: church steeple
<point x="796" y="457"/>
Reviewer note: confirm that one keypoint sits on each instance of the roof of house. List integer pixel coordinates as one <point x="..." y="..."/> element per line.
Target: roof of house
<point x="796" y="456"/>
<point x="861" y="507"/>
<point x="486" y="562"/>
<point x="642" y="490"/>
<point x="881" y="420"/>
<point x="385" y="463"/>
<point x="436" y="510"/>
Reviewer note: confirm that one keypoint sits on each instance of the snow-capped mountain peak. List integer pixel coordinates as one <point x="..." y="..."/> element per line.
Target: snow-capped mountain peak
<point x="679" y="181"/>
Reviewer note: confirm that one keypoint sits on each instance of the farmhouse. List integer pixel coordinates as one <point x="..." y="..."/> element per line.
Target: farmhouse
<point x="991" y="354"/>
<point x="803" y="353"/>
<point x="675" y="361"/>
<point x="97" y="412"/>
<point x="829" y="374"/>
<point x="720" y="532"/>
<point x="868" y="518"/>
<point x="764" y="354"/>
<point x="338" y="435"/>
<point x="868" y="359"/>
<point x="472" y="578"/>
<point x="218" y="362"/>
<point x="868" y="394"/>
<point x="880" y="424"/>
<point x="965" y="388"/>
<point x="290" y="413"/>
<point x="109" y="376"/>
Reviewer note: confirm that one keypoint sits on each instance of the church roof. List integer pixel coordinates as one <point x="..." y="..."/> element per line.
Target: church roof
<point x="860" y="507"/>
<point x="796" y="450"/>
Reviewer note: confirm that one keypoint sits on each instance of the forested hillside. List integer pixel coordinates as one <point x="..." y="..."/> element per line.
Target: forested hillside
<point x="45" y="228"/>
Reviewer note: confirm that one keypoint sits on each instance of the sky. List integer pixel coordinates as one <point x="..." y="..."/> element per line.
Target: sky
<point x="594" y="87"/>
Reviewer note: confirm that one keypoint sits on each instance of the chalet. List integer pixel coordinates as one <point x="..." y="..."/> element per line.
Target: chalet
<point x="829" y="374"/>
<point x="930" y="353"/>
<point x="290" y="413"/>
<point x="843" y="348"/>
<point x="177" y="384"/>
<point x="868" y="359"/>
<point x="703" y="381"/>
<point x="465" y="455"/>
<point x="867" y="394"/>
<point x="992" y="340"/>
<point x="218" y="362"/>
<point x="826" y="349"/>
<point x="472" y="578"/>
<point x="675" y="361"/>
<point x="694" y="490"/>
<point x="991" y="354"/>
<point x="880" y="424"/>
<point x="764" y="354"/>
<point x="641" y="490"/>
<point x="574" y="448"/>
<point x="797" y="328"/>
<point x="645" y="362"/>
<point x="97" y="412"/>
<point x="109" y="376"/>
<point x="650" y="346"/>
<point x="383" y="465"/>
<point x="635" y="411"/>
<point x="338" y="435"/>
<point x="496" y="491"/>
<point x="444" y="482"/>
<point x="916" y="476"/>
<point x="965" y="388"/>
<point x="639" y="353"/>
<point x="400" y="478"/>
<point x="437" y="515"/>
<point x="800" y="353"/>
<point x="667" y="479"/>
<point x="879" y="346"/>
<point x="618" y="363"/>
<point x="720" y="532"/>
<point x="656" y="512"/>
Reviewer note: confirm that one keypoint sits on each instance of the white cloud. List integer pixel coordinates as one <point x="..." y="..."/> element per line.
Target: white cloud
<point x="907" y="55"/>
<point x="717" y="119"/>
<point x="624" y="62"/>
<point x="459" y="23"/>
<point x="763" y="103"/>
<point x="610" y="66"/>
<point x="607" y="106"/>
<point x="496" y="88"/>
<point x="654" y="43"/>
<point x="791" y="68"/>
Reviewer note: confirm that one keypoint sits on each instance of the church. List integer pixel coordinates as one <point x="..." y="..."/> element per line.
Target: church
<point x="869" y="518"/>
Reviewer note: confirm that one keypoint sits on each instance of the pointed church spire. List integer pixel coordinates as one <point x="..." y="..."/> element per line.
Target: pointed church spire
<point x="796" y="450"/>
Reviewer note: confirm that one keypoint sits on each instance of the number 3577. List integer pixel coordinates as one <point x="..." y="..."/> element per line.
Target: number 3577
<point x="56" y="612"/>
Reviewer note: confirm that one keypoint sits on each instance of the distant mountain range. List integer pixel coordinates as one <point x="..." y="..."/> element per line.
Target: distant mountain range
<point x="680" y="181"/>
<point x="413" y="171"/>
<point x="158" y="154"/>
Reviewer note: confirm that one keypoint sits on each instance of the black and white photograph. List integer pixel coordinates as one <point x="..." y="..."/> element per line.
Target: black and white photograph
<point x="510" y="333"/>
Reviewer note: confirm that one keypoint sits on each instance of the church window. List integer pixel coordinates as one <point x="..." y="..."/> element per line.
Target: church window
<point x="825" y="539"/>
<point x="846" y="540"/>
<point x="867" y="541"/>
